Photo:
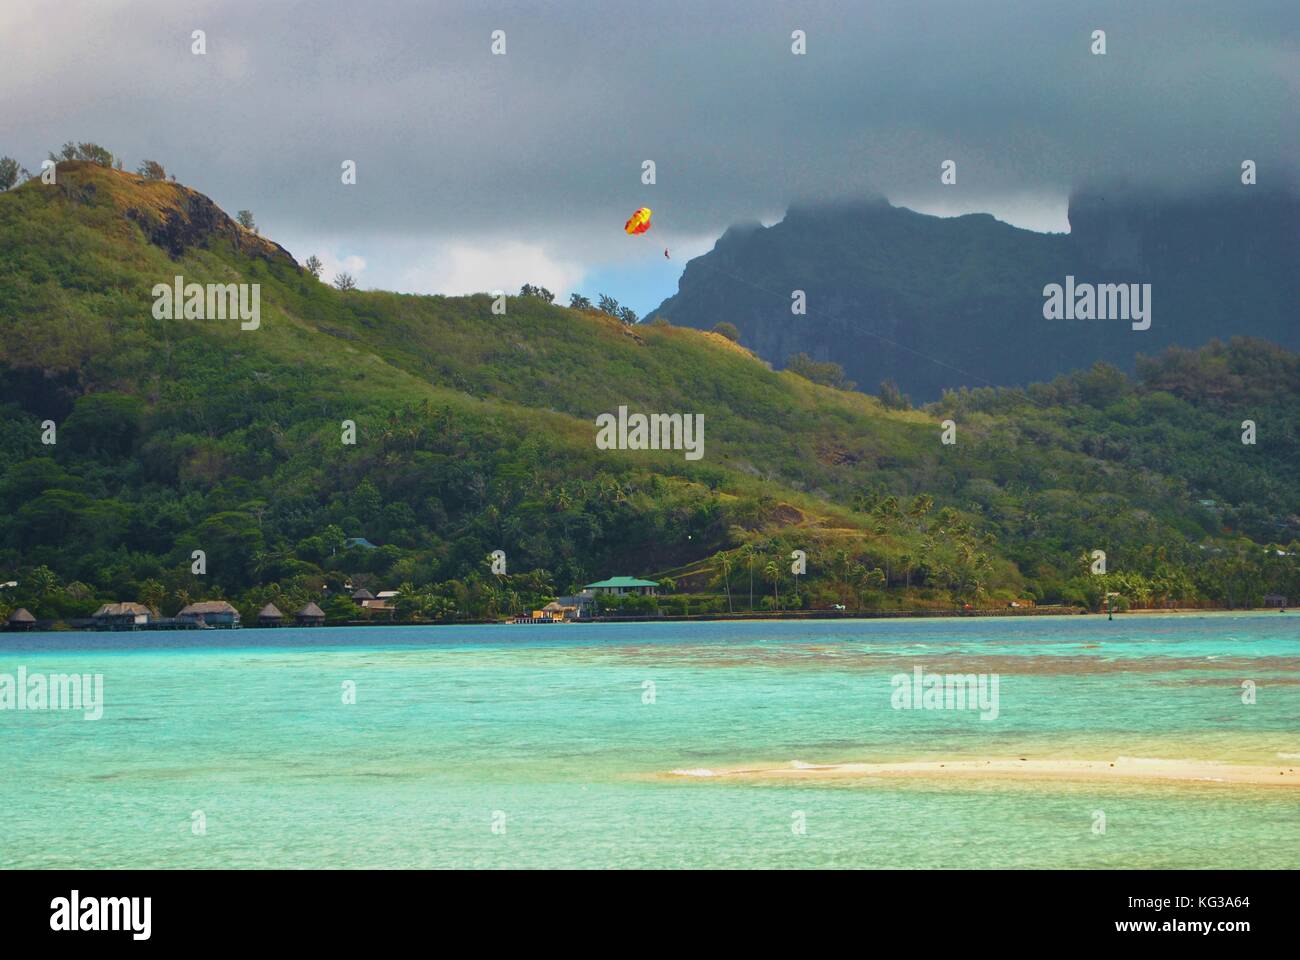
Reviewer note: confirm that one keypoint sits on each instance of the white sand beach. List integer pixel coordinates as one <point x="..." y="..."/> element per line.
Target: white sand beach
<point x="1018" y="768"/>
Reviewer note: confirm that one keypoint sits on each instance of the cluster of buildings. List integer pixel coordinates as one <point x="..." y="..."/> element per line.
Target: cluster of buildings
<point x="205" y="615"/>
<point x="375" y="603"/>
<point x="309" y="616"/>
<point x="128" y="615"/>
<point x="312" y="615"/>
<point x="582" y="605"/>
<point x="222" y="615"/>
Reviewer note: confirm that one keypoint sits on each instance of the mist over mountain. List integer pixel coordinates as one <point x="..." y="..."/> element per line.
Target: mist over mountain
<point x="939" y="303"/>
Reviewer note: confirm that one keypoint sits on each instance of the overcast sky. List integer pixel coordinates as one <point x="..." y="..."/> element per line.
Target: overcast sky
<point x="478" y="172"/>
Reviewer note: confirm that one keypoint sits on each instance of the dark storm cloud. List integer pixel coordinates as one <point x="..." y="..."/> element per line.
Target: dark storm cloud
<point x="547" y="141"/>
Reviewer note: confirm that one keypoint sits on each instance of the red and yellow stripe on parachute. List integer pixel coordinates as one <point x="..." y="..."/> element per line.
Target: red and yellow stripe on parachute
<point x="640" y="221"/>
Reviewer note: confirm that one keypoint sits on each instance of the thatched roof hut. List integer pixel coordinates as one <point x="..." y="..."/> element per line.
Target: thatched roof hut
<point x="211" y="612"/>
<point x="127" y="608"/>
<point x="21" y="619"/>
<point x="127" y="614"/>
<point x="362" y="594"/>
<point x="207" y="606"/>
<point x="270" y="616"/>
<point x="310" y="616"/>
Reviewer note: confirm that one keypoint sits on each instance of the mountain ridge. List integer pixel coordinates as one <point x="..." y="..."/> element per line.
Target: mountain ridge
<point x="475" y="432"/>
<point x="936" y="303"/>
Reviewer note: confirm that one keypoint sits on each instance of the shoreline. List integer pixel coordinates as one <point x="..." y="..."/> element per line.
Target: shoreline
<point x="1121" y="769"/>
<point x="931" y="614"/>
<point x="63" y="626"/>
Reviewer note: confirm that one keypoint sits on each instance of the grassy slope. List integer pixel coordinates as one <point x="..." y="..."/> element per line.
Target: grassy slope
<point x="246" y="416"/>
<point x="85" y="272"/>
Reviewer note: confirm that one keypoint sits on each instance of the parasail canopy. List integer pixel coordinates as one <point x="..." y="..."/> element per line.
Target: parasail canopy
<point x="640" y="221"/>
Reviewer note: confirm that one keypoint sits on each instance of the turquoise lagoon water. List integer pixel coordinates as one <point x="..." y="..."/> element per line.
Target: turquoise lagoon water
<point x="546" y="729"/>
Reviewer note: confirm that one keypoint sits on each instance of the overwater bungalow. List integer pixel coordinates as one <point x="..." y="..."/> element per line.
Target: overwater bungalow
<point x="558" y="611"/>
<point x="310" y="616"/>
<point x="270" y="616"/>
<point x="20" y="619"/>
<point x="122" y="616"/>
<point x="553" y="612"/>
<point x="210" y="613"/>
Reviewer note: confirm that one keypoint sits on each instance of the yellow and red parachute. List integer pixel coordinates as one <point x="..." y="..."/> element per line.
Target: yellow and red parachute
<point x="640" y="221"/>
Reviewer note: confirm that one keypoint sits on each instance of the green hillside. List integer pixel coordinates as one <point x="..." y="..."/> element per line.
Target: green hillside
<point x="476" y="432"/>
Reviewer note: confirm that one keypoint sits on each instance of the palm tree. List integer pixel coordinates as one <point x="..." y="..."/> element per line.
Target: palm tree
<point x="407" y="601"/>
<point x="773" y="571"/>
<point x="748" y="552"/>
<point x="725" y="561"/>
<point x="922" y="504"/>
<point x="870" y="579"/>
<point x="843" y="561"/>
<point x="856" y="577"/>
<point x="42" y="581"/>
<point x="153" y="593"/>
<point x="562" y="499"/>
<point x="265" y="560"/>
<point x="866" y="501"/>
<point x="491" y="596"/>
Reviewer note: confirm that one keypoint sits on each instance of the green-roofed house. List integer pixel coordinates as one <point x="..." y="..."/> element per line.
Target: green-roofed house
<point x="623" y="586"/>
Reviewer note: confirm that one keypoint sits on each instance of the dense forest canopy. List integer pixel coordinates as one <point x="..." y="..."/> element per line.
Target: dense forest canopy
<point x="474" y="432"/>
